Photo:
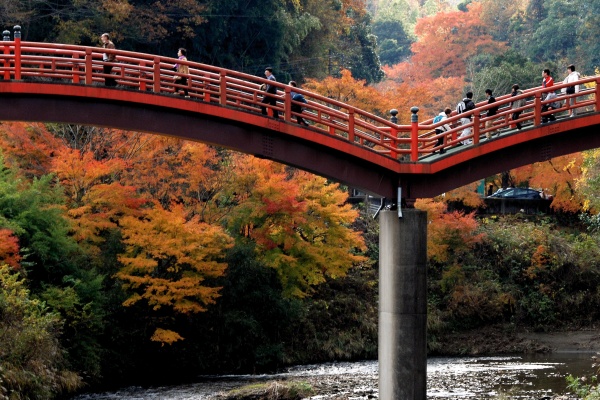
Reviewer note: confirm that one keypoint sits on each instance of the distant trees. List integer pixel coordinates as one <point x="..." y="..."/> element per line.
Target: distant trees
<point x="394" y="43"/>
<point x="300" y="38"/>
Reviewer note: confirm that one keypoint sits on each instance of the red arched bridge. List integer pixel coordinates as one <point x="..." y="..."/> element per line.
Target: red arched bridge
<point x="65" y="83"/>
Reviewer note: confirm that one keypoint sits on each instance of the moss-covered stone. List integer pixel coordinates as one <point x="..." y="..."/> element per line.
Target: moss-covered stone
<point x="274" y="390"/>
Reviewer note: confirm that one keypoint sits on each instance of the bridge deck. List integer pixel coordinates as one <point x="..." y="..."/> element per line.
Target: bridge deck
<point x="397" y="153"/>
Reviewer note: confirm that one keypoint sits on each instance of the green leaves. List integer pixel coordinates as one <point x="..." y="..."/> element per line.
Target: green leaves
<point x="31" y="363"/>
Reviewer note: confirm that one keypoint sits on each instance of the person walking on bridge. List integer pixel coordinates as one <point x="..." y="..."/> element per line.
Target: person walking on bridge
<point x="297" y="108"/>
<point x="108" y="58"/>
<point x="270" y="90"/>
<point x="182" y="71"/>
<point x="442" y="128"/>
<point x="516" y="104"/>
<point x="466" y="105"/>
<point x="572" y="77"/>
<point x="489" y="124"/>
<point x="548" y="80"/>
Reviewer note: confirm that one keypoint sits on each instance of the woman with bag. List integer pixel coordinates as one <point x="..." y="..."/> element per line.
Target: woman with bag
<point x="573" y="76"/>
<point x="182" y="71"/>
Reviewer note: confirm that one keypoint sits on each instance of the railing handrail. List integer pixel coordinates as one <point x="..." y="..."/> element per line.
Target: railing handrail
<point x="238" y="89"/>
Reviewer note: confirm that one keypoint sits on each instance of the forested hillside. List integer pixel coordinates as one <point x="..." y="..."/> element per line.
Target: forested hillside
<point x="128" y="258"/>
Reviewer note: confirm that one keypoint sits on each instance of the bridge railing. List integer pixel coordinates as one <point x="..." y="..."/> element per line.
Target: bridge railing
<point x="84" y="65"/>
<point x="51" y="62"/>
<point x="587" y="99"/>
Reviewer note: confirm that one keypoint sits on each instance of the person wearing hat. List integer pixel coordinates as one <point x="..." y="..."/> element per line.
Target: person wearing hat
<point x="270" y="89"/>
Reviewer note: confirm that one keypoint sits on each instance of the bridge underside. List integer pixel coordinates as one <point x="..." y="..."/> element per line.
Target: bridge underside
<point x="563" y="137"/>
<point x="216" y="128"/>
<point x="325" y="155"/>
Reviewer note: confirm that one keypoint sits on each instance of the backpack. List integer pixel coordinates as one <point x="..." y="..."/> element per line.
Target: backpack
<point x="437" y="118"/>
<point x="519" y="103"/>
<point x="465" y="105"/>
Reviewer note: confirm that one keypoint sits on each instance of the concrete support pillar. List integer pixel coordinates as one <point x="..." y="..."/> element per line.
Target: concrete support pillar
<point x="402" y="305"/>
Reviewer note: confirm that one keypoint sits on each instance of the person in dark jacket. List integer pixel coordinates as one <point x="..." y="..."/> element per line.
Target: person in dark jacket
<point x="490" y="113"/>
<point x="269" y="90"/>
<point x="297" y="108"/>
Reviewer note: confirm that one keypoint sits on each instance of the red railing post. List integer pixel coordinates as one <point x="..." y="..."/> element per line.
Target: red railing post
<point x="597" y="94"/>
<point x="351" y="125"/>
<point x="393" y="134"/>
<point x="156" y="75"/>
<point x="6" y="38"/>
<point x="142" y="76"/>
<point x="287" y="104"/>
<point x="206" y="88"/>
<point x="223" y="88"/>
<point x="89" y="68"/>
<point x="414" y="135"/>
<point x="476" y="127"/>
<point x="17" y="34"/>
<point x="75" y="68"/>
<point x="537" y="109"/>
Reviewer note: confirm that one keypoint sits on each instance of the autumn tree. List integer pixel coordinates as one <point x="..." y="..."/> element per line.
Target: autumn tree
<point x="557" y="177"/>
<point x="355" y="92"/>
<point x="450" y="235"/>
<point x="182" y="171"/>
<point x="299" y="222"/>
<point x="28" y="147"/>
<point x="169" y="261"/>
<point x="589" y="182"/>
<point x="446" y="41"/>
<point x="9" y="249"/>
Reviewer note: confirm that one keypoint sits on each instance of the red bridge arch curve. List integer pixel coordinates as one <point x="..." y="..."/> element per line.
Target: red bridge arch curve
<point x="64" y="83"/>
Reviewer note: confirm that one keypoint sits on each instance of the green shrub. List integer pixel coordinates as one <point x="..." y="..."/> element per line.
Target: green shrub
<point x="31" y="362"/>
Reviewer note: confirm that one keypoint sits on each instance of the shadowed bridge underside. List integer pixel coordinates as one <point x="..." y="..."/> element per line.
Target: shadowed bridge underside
<point x="60" y="83"/>
<point x="293" y="145"/>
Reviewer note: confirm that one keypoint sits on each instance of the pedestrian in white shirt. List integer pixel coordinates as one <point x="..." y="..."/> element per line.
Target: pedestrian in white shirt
<point x="573" y="76"/>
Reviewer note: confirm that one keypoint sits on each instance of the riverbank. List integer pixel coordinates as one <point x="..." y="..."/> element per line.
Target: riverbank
<point x="499" y="340"/>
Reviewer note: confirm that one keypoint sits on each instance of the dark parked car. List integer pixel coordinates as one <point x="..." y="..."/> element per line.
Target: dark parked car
<point x="519" y="193"/>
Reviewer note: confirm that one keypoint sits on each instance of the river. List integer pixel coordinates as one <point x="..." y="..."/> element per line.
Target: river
<point x="503" y="377"/>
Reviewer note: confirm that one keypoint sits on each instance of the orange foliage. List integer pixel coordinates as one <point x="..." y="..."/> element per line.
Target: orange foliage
<point x="168" y="258"/>
<point x="9" y="249"/>
<point x="539" y="260"/>
<point x="446" y="41"/>
<point x="465" y="194"/>
<point x="102" y="207"/>
<point x="79" y="172"/>
<point x="430" y="95"/>
<point x="299" y="222"/>
<point x="449" y="234"/>
<point x="557" y="177"/>
<point x="30" y="147"/>
<point x="352" y="91"/>
<point x="181" y="171"/>
<point x="165" y="336"/>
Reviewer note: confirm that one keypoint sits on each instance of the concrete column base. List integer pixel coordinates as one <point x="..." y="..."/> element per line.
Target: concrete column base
<point x="403" y="305"/>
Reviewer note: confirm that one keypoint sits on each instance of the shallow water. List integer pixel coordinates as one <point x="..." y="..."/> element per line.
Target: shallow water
<point x="516" y="377"/>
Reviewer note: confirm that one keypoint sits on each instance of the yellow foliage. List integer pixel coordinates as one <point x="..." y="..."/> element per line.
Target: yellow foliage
<point x="168" y="257"/>
<point x="165" y="336"/>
